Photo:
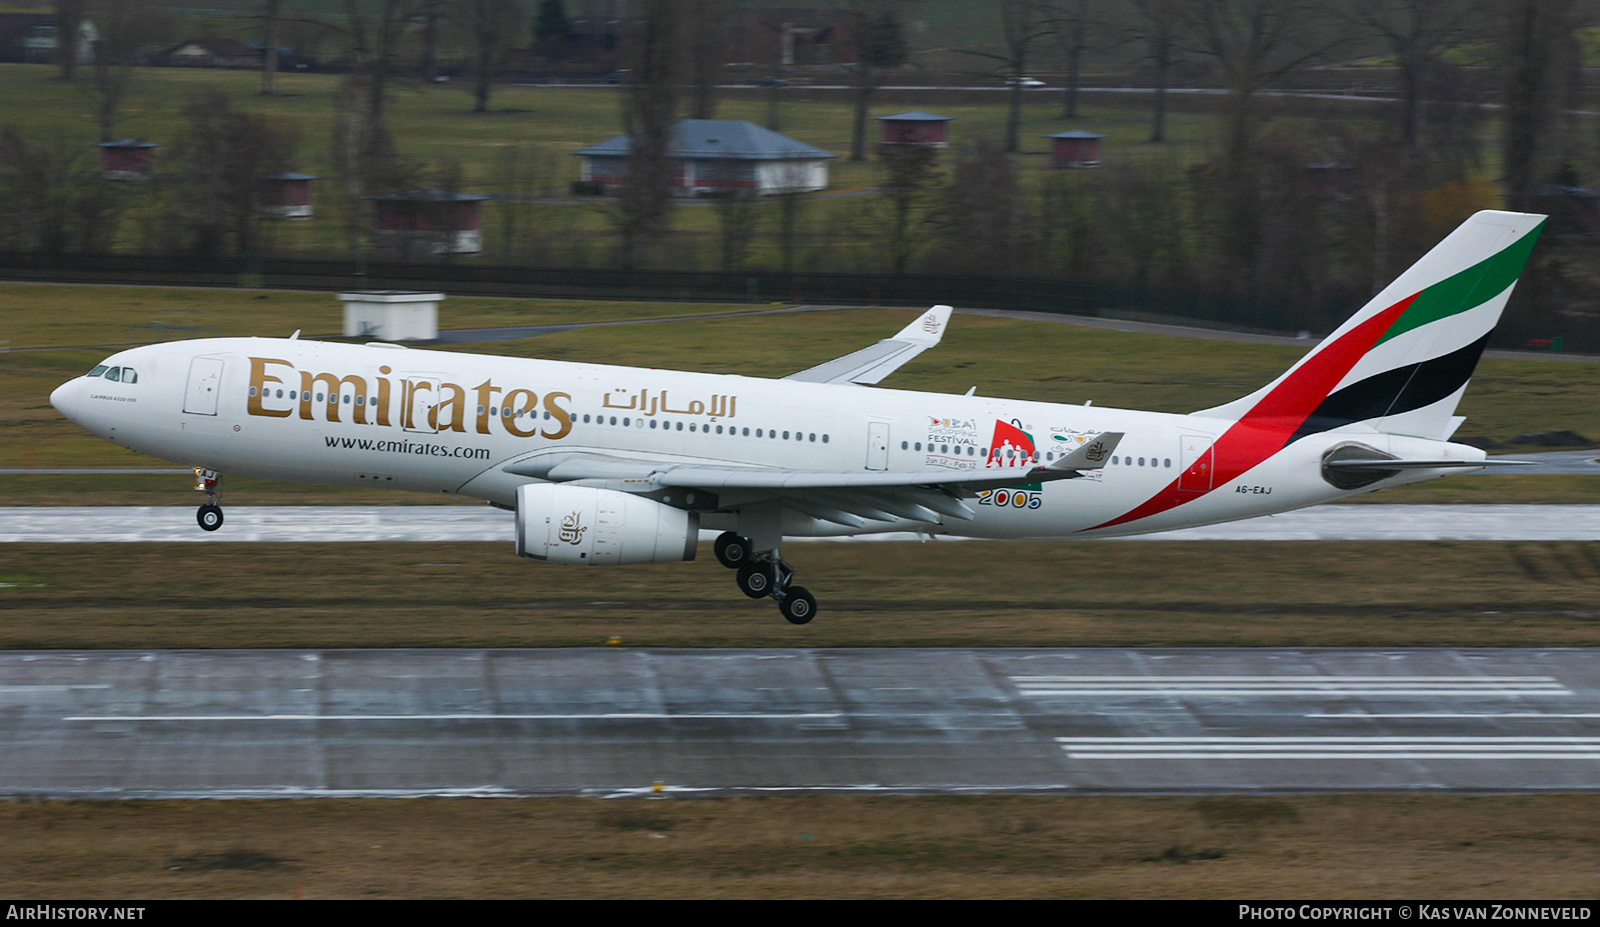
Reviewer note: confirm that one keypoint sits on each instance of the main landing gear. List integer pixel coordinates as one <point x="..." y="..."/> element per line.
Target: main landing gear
<point x="209" y="482"/>
<point x="764" y="573"/>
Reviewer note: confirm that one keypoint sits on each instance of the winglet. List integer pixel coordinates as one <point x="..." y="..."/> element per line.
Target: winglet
<point x="871" y="364"/>
<point x="928" y="329"/>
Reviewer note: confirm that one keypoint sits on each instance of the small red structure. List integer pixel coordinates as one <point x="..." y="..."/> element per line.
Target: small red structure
<point x="1332" y="180"/>
<point x="128" y="159"/>
<point x="286" y="195"/>
<point x="431" y="219"/>
<point x="1075" y="149"/>
<point x="916" y="128"/>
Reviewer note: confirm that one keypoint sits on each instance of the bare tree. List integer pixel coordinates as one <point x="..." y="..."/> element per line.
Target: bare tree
<point x="373" y="35"/>
<point x="522" y="174"/>
<point x="738" y="215"/>
<point x="986" y="227"/>
<point x="124" y="28"/>
<point x="908" y="192"/>
<point x="1418" y="32"/>
<point x="650" y="116"/>
<point x="51" y="199"/>
<point x="69" y="26"/>
<point x="708" y="38"/>
<point x="222" y="157"/>
<point x="272" y="24"/>
<point x="1023" y="23"/>
<point x="1541" y="55"/>
<point x="1155" y="28"/>
<point x="493" y="26"/>
<point x="880" y="47"/>
<point x="1070" y="22"/>
<point x="1253" y="42"/>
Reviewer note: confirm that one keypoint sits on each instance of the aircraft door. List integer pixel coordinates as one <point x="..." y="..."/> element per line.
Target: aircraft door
<point x="877" y="445"/>
<point x="419" y="393"/>
<point x="205" y="385"/>
<point x="1198" y="462"/>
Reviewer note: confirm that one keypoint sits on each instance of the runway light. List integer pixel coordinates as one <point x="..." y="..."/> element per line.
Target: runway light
<point x="613" y="641"/>
<point x="659" y="786"/>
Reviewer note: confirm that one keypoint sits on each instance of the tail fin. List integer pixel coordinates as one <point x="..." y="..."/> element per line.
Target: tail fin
<point x="1402" y="362"/>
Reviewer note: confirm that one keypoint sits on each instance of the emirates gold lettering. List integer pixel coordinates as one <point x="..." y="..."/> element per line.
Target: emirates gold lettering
<point x="448" y="406"/>
<point x="259" y="378"/>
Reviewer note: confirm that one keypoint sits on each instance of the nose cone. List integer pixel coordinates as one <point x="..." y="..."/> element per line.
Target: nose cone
<point x="68" y="398"/>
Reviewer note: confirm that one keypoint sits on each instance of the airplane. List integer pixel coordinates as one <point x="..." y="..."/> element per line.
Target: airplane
<point x="608" y="465"/>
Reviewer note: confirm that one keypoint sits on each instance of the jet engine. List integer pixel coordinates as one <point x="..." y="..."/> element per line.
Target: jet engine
<point x="601" y="527"/>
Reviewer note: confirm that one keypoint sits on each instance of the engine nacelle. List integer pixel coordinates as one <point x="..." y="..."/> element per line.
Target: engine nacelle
<point x="601" y="527"/>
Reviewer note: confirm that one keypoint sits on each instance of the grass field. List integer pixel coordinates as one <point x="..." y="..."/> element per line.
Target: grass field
<point x="1267" y="847"/>
<point x="875" y="594"/>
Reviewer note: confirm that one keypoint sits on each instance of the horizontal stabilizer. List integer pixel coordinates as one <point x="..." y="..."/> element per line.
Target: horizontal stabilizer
<point x="1091" y="455"/>
<point x="1423" y="464"/>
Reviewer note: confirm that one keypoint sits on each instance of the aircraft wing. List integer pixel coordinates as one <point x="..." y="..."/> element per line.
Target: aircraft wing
<point x="851" y="498"/>
<point x="871" y="364"/>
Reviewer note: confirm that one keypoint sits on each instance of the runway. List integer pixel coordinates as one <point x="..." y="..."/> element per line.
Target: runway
<point x="617" y="722"/>
<point x="115" y="524"/>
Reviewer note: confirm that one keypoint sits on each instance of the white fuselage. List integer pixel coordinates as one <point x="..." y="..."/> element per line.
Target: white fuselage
<point x="432" y="421"/>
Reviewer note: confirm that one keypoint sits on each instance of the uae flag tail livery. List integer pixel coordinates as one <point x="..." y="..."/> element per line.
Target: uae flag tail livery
<point x="1396" y="368"/>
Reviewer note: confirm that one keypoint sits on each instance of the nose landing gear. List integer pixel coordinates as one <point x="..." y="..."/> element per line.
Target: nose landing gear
<point x="209" y="516"/>
<point x="764" y="573"/>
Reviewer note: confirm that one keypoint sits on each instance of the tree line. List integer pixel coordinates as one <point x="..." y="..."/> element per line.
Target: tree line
<point x="1286" y="220"/>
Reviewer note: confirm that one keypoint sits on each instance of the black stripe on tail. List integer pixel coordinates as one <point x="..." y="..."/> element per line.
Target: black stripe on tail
<point x="1392" y="392"/>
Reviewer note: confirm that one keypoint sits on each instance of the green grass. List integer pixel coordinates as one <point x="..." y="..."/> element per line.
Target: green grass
<point x="873" y="594"/>
<point x="1003" y="847"/>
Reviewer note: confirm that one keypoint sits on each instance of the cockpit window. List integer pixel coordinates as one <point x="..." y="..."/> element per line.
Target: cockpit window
<point x="114" y="374"/>
<point x="129" y="376"/>
<point x="98" y="370"/>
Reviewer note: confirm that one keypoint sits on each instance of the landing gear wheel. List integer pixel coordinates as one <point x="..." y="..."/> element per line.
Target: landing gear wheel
<point x="209" y="516"/>
<point x="798" y="606"/>
<point x="733" y="550"/>
<point x="755" y="579"/>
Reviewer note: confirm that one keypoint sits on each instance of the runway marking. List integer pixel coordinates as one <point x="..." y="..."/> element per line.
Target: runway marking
<point x="1347" y="715"/>
<point x="25" y="687"/>
<point x="1292" y="686"/>
<point x="471" y="716"/>
<point x="1331" y="748"/>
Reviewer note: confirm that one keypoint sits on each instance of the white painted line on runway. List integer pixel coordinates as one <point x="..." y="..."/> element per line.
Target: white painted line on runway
<point x="470" y="716"/>
<point x="1331" y="748"/>
<point x="1289" y="686"/>
<point x="1347" y="715"/>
